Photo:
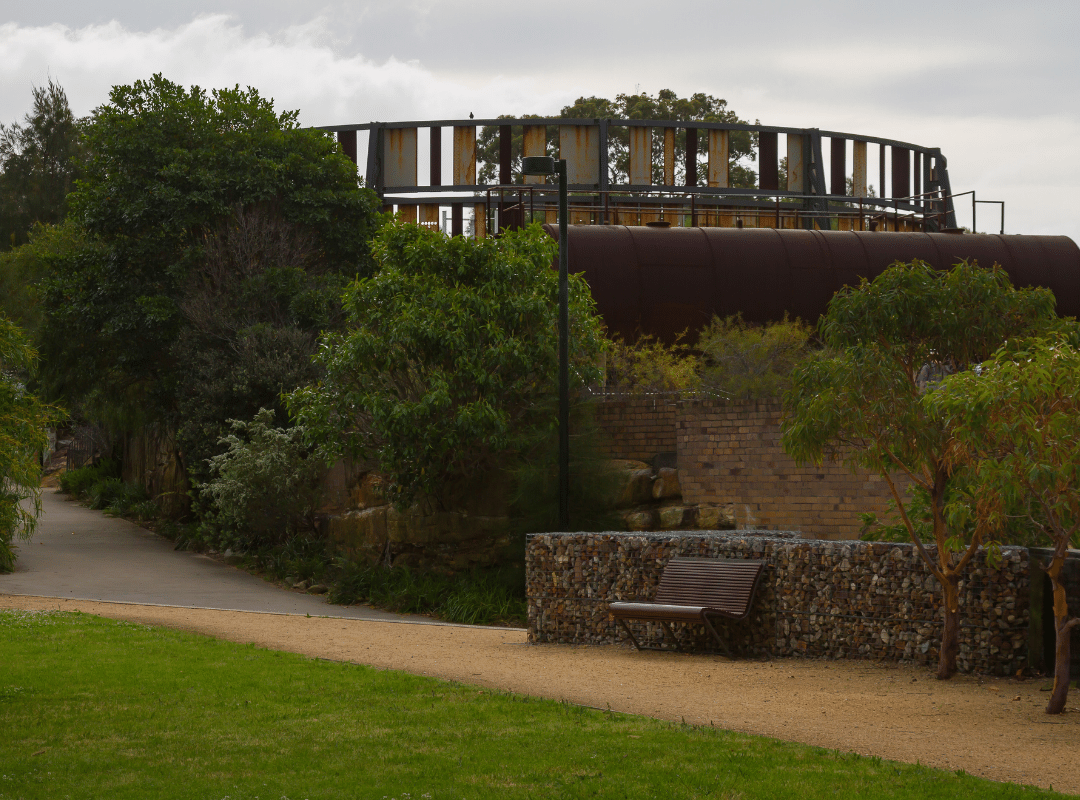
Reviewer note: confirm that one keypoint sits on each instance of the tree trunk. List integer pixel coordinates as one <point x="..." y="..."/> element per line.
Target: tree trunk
<point x="1062" y="635"/>
<point x="950" y="635"/>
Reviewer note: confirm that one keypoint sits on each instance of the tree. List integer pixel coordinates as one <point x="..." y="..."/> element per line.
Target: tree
<point x="1016" y="426"/>
<point x="665" y="105"/>
<point x="25" y="269"/>
<point x="168" y="169"/>
<point x="448" y="357"/>
<point x="23" y="437"/>
<point x="39" y="164"/>
<point x="865" y="403"/>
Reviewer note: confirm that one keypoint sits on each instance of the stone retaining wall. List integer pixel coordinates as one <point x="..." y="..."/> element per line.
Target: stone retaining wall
<point x="816" y="597"/>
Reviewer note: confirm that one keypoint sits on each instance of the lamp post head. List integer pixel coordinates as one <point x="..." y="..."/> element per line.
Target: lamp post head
<point x="538" y="165"/>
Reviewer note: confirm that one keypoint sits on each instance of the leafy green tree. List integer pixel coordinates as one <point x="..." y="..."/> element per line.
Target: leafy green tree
<point x="891" y="340"/>
<point x="1016" y="427"/>
<point x="23" y="437"/>
<point x="39" y="164"/>
<point x="167" y="167"/>
<point x="449" y="356"/>
<point x="665" y="105"/>
<point x="25" y="269"/>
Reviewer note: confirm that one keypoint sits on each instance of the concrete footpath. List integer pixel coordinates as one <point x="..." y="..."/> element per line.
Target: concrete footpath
<point x="80" y="554"/>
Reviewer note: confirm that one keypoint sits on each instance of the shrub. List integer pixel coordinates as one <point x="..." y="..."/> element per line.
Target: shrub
<point x="265" y="486"/>
<point x="746" y="361"/>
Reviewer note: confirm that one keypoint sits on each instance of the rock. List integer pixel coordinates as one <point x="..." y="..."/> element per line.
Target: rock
<point x="671" y="518"/>
<point x="635" y="488"/>
<point x="301" y="585"/>
<point x="370" y="492"/>
<point x="319" y="588"/>
<point x="666" y="486"/>
<point x="233" y="558"/>
<point x="638" y="521"/>
<point x="714" y="518"/>
<point x="291" y="580"/>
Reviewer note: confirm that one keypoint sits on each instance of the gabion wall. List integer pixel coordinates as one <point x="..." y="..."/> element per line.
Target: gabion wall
<point x="822" y="598"/>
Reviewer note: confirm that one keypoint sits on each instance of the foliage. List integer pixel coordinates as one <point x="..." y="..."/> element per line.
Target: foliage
<point x="746" y="361"/>
<point x="865" y="404"/>
<point x="666" y="105"/>
<point x="24" y="269"/>
<point x="469" y="598"/>
<point x="651" y="365"/>
<point x="265" y="486"/>
<point x="450" y="355"/>
<point x="198" y="717"/>
<point x="23" y="437"/>
<point x="1016" y="426"/>
<point x="39" y="164"/>
<point x="731" y="358"/>
<point x="252" y="309"/>
<point x="167" y="167"/>
<point x="594" y="483"/>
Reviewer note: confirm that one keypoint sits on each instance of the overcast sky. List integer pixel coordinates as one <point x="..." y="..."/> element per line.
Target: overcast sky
<point x="994" y="84"/>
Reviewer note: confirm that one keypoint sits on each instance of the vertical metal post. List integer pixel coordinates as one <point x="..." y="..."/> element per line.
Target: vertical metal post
<point x="768" y="177"/>
<point x="973" y="228"/>
<point x="838" y="167"/>
<point x="691" y="157"/>
<point x="435" y="161"/>
<point x="505" y="155"/>
<point x="564" y="354"/>
<point x="881" y="170"/>
<point x="347" y="140"/>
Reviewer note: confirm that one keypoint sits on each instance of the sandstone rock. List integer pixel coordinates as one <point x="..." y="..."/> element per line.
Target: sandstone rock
<point x="370" y="492"/>
<point x="319" y="588"/>
<point x="715" y="518"/>
<point x="671" y="518"/>
<point x="666" y="486"/>
<point x="638" y="521"/>
<point x="636" y="488"/>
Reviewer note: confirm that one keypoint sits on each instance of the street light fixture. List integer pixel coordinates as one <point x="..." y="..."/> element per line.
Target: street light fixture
<point x="545" y="165"/>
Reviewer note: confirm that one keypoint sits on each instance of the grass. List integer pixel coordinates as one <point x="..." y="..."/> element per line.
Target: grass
<point x="91" y="708"/>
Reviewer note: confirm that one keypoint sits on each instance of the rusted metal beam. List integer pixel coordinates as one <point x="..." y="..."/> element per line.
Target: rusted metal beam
<point x="916" y="176"/>
<point x="373" y="175"/>
<point x="669" y="156"/>
<point x="464" y="155"/>
<point x="457" y="219"/>
<point x="838" y="167"/>
<point x="480" y="220"/>
<point x="534" y="143"/>
<point x="768" y="175"/>
<point x="435" y="158"/>
<point x="347" y="140"/>
<point x="505" y="154"/>
<point x="407" y="213"/>
<point x="580" y="146"/>
<point x="640" y="156"/>
<point x="691" y="157"/>
<point x="429" y="215"/>
<point x="400" y="157"/>
<point x="858" y="168"/>
<point x="796" y="163"/>
<point x="881" y="169"/>
<point x="901" y="172"/>
<point x="719" y="157"/>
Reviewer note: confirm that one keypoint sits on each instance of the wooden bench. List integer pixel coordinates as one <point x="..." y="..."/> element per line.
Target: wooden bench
<point x="692" y="590"/>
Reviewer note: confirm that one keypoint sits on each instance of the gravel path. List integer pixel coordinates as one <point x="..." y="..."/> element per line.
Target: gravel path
<point x="995" y="728"/>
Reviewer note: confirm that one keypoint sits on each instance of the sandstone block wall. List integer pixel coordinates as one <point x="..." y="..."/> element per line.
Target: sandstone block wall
<point x="729" y="453"/>
<point x="816" y="597"/>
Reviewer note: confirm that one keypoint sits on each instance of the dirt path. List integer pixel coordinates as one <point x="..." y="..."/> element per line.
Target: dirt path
<point x="995" y="728"/>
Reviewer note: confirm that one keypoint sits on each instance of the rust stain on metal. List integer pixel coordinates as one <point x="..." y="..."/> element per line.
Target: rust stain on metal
<point x="640" y="156"/>
<point x="719" y="155"/>
<point x="464" y="155"/>
<point x="661" y="281"/>
<point x="400" y="157"/>
<point x="580" y="146"/>
<point x="534" y="143"/>
<point x="858" y="168"/>
<point x="796" y="163"/>
<point x="669" y="156"/>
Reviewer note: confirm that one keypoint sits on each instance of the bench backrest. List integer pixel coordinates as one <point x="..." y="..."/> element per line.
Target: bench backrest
<point x="723" y="583"/>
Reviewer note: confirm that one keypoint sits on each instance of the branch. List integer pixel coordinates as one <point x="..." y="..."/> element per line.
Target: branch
<point x="937" y="573"/>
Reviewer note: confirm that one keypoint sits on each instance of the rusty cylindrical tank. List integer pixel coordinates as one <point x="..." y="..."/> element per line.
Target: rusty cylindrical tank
<point x="661" y="281"/>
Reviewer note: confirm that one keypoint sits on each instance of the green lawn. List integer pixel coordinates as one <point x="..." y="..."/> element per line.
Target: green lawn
<point x="94" y="708"/>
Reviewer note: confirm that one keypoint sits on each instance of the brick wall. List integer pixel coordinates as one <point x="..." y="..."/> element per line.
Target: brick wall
<point x="637" y="428"/>
<point x="729" y="453"/>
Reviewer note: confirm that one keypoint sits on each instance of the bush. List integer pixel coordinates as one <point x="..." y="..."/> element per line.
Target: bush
<point x="265" y="487"/>
<point x="473" y="598"/>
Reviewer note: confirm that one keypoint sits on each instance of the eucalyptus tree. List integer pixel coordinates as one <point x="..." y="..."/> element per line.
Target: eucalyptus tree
<point x="890" y="343"/>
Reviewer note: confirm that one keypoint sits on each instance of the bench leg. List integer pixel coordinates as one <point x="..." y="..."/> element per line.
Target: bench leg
<point x="629" y="633"/>
<point x="715" y="635"/>
<point x="671" y="633"/>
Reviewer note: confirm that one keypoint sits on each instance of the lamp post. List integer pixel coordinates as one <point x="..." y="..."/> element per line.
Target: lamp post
<point x="545" y="165"/>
